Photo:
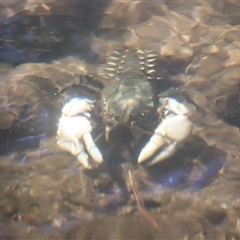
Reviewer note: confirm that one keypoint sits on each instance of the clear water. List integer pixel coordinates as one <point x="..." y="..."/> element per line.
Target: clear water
<point x="46" y="194"/>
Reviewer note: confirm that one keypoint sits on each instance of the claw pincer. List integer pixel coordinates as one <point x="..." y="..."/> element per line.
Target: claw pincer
<point x="74" y="131"/>
<point x="172" y="130"/>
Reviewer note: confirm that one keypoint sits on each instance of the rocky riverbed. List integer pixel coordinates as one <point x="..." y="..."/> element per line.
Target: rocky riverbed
<point x="46" y="193"/>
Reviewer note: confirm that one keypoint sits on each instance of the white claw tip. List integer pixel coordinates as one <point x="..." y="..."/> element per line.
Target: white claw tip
<point x="144" y="155"/>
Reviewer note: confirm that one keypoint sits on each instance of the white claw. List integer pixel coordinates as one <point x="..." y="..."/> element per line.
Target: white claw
<point x="173" y="130"/>
<point x="75" y="129"/>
